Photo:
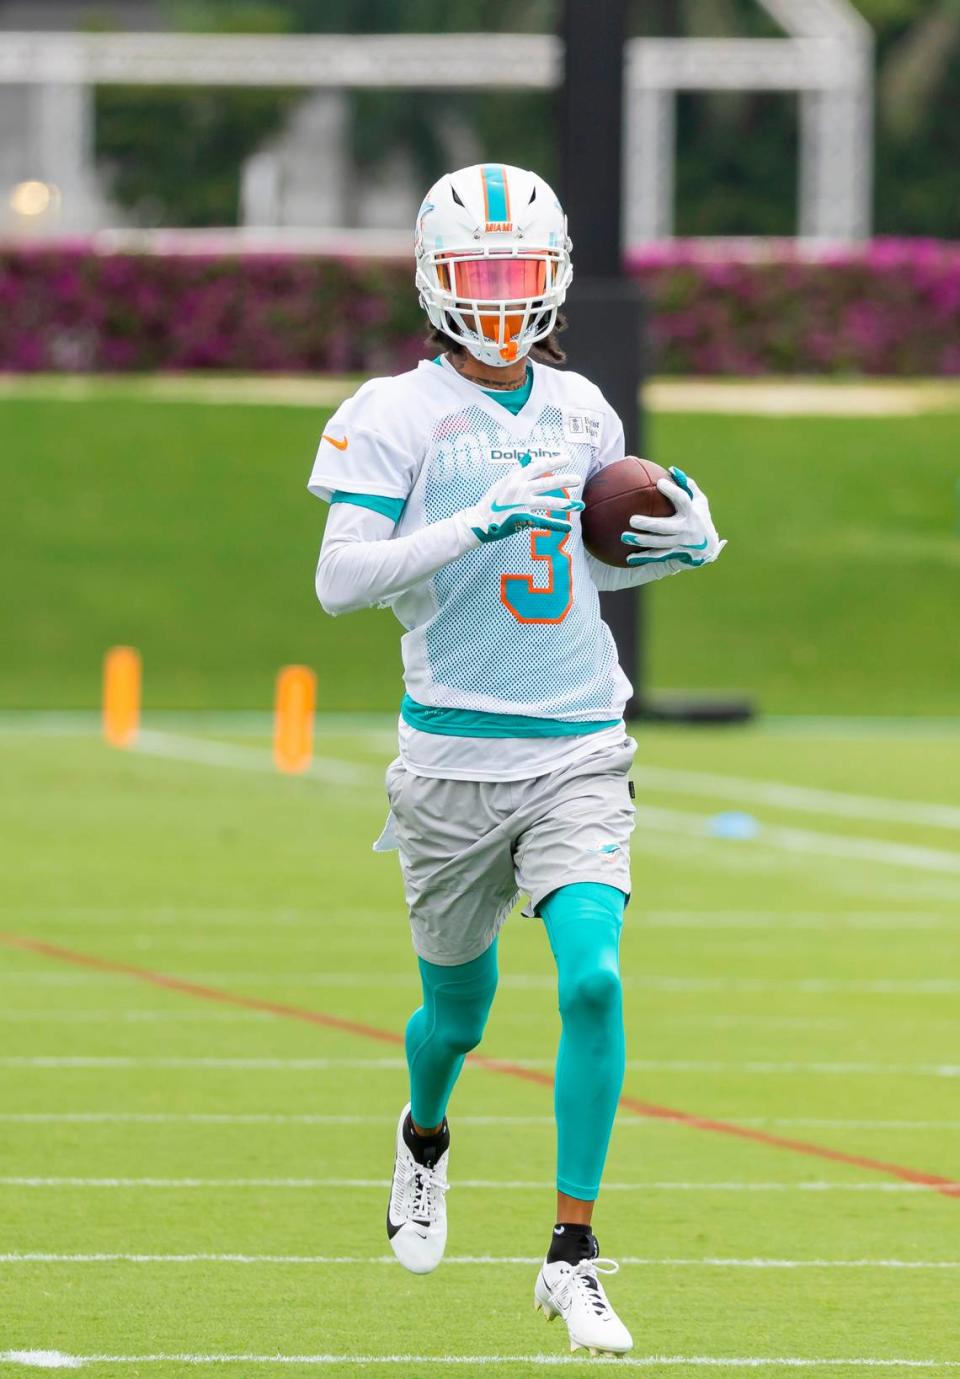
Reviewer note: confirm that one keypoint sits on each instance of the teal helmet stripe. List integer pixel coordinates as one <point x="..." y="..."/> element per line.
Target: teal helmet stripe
<point x="495" y="192"/>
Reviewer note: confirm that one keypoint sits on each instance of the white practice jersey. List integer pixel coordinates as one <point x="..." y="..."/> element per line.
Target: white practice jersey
<point x="511" y="629"/>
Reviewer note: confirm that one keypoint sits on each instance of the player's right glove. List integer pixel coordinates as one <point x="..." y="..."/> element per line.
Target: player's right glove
<point x="523" y="498"/>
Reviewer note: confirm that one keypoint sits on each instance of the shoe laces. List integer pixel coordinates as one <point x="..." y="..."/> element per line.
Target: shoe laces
<point x="424" y="1190"/>
<point x="583" y="1276"/>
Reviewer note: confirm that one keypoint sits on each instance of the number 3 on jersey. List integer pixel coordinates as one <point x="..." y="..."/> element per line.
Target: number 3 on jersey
<point x="528" y="602"/>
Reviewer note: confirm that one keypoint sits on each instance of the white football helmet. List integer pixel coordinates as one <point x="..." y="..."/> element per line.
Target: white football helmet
<point x="493" y="260"/>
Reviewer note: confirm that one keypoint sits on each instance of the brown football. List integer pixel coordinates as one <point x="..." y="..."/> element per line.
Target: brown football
<point x="626" y="488"/>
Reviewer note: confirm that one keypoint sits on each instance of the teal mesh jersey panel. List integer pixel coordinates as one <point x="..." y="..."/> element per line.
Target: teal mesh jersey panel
<point x="517" y="627"/>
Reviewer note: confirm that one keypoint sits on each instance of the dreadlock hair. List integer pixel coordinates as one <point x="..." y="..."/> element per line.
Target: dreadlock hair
<point x="546" y="351"/>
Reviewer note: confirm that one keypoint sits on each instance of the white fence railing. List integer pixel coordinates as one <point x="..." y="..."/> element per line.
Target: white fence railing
<point x="827" y="59"/>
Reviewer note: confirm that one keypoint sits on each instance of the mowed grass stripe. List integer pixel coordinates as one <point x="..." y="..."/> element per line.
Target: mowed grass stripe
<point x="239" y="1159"/>
<point x="864" y="1223"/>
<point x="58" y="1360"/>
<point x="821" y="843"/>
<point x="803" y="799"/>
<point x="132" y="918"/>
<point x="301" y="1118"/>
<point x="938" y="1182"/>
<point x="474" y="1184"/>
<point x="659" y="1225"/>
<point x="812" y="986"/>
<point x="106" y="1062"/>
<point x="478" y="1261"/>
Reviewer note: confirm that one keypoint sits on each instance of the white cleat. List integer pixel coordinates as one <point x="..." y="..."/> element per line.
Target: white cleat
<point x="573" y="1292"/>
<point x="417" y="1211"/>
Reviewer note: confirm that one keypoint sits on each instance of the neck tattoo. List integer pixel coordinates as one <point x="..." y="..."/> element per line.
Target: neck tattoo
<point x="497" y="383"/>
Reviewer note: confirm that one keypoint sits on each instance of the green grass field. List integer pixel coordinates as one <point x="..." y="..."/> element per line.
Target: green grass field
<point x="186" y="529"/>
<point x="185" y="1177"/>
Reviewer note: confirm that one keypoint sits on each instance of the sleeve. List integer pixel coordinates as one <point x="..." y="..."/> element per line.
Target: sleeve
<point x="612" y="445"/>
<point x="364" y="448"/>
<point x="362" y="564"/>
<point x="609" y="578"/>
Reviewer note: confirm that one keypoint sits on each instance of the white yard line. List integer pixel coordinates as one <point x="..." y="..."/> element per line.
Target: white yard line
<point x="308" y="1118"/>
<point x="264" y="978"/>
<point x="782" y="921"/>
<point x="476" y="1184"/>
<point x="809" y="842"/>
<point x="162" y="925"/>
<point x="108" y="1061"/>
<point x="671" y="1065"/>
<point x="472" y="1261"/>
<point x="132" y="1017"/>
<point x="174" y="1017"/>
<point x="266" y="981"/>
<point x="805" y="842"/>
<point x="373" y="731"/>
<point x="56" y="1359"/>
<point x="779" y="1069"/>
<point x="169" y="917"/>
<point x="785" y="839"/>
<point x="804" y="799"/>
<point x="208" y="752"/>
<point x="815" y="986"/>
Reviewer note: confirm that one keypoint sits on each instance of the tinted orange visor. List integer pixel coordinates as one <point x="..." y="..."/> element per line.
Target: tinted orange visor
<point x="493" y="279"/>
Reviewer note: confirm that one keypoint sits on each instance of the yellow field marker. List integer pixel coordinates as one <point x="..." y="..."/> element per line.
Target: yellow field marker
<point x="121" y="695"/>
<point x="293" y="718"/>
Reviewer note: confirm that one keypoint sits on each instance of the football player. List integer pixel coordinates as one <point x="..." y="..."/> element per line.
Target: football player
<point x="453" y="493"/>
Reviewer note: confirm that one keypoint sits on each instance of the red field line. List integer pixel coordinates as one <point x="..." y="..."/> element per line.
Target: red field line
<point x="947" y="1186"/>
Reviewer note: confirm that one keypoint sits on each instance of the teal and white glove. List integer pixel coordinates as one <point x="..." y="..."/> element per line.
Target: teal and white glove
<point x="689" y="537"/>
<point x="523" y="498"/>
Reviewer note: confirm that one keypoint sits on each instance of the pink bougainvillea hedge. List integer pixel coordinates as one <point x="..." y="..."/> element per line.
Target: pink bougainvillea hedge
<point x="889" y="307"/>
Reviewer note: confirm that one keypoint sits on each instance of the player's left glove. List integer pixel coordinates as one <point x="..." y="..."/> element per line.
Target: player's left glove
<point x="688" y="537"/>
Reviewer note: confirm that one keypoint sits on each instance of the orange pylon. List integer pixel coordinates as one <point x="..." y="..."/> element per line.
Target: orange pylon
<point x="121" y="695"/>
<point x="293" y="718"/>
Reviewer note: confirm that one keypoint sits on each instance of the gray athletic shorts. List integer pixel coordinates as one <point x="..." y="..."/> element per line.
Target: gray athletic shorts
<point x="468" y="848"/>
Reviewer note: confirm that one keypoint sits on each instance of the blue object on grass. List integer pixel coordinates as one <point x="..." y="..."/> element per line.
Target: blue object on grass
<point x="733" y="823"/>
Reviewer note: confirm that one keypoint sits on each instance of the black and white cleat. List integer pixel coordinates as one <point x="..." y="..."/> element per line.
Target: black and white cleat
<point x="417" y="1209"/>
<point x="575" y="1293"/>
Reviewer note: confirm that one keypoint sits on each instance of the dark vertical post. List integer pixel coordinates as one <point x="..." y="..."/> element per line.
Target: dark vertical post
<point x="605" y="337"/>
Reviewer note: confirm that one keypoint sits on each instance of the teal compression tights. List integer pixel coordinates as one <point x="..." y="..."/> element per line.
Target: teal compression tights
<point x="456" y="1003"/>
<point x="583" y="924"/>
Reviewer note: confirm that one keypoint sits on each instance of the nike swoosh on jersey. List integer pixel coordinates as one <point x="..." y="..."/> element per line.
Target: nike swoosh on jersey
<point x="337" y="445"/>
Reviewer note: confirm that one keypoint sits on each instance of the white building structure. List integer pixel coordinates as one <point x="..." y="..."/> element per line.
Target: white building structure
<point x="304" y="179"/>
